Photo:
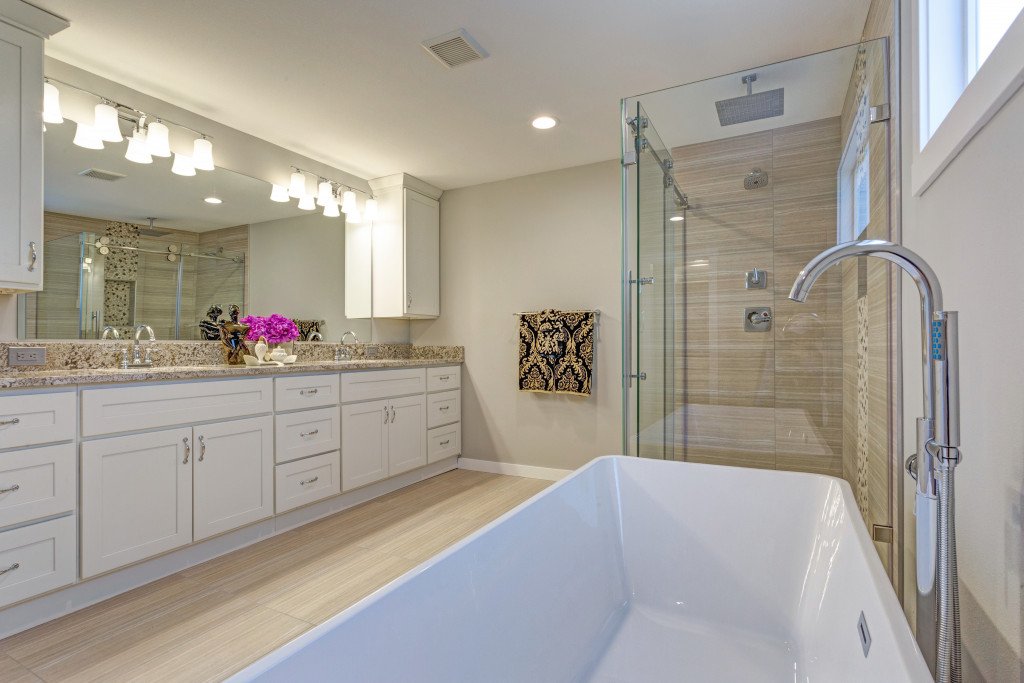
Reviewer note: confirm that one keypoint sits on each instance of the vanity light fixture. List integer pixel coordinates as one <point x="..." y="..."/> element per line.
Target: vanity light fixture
<point x="544" y="122"/>
<point x="87" y="137"/>
<point x="158" y="139"/>
<point x="307" y="203"/>
<point x="106" y="123"/>
<point x="331" y="209"/>
<point x="370" y="210"/>
<point x="297" y="184"/>
<point x="213" y="200"/>
<point x="202" y="154"/>
<point x="348" y="202"/>
<point x="324" y="193"/>
<point x="137" y="150"/>
<point x="183" y="165"/>
<point x="51" y="104"/>
<point x="279" y="193"/>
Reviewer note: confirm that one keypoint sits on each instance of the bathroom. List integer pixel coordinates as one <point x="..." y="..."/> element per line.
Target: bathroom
<point x="370" y="174"/>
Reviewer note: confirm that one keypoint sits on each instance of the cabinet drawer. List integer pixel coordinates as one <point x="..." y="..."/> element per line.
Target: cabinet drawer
<point x="443" y="408"/>
<point x="308" y="480"/>
<point x="311" y="391"/>
<point x="306" y="432"/>
<point x="444" y="442"/>
<point x="37" y="483"/>
<point x="442" y="379"/>
<point x="37" y="558"/>
<point x="31" y="419"/>
<point x="125" y="409"/>
<point x="377" y="384"/>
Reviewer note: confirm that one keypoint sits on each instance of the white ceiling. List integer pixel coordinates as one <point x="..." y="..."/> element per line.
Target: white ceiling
<point x="346" y="81"/>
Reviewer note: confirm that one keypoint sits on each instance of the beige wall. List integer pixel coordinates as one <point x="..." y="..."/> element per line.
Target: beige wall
<point x="969" y="225"/>
<point x="550" y="240"/>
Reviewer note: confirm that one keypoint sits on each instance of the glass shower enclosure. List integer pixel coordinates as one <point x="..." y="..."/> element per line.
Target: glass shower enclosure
<point x="730" y="185"/>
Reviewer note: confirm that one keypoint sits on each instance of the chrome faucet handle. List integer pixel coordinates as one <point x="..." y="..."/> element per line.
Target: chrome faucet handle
<point x="124" y="358"/>
<point x="148" y="360"/>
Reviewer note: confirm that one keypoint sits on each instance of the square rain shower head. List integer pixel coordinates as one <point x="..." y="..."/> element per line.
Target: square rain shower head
<point x="761" y="105"/>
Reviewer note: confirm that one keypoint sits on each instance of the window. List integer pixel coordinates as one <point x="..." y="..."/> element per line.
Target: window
<point x="854" y="178"/>
<point x="969" y="61"/>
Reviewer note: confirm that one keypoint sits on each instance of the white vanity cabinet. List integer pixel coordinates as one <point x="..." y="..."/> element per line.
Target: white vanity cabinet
<point x="444" y="412"/>
<point x="22" y="30"/>
<point x="405" y="249"/>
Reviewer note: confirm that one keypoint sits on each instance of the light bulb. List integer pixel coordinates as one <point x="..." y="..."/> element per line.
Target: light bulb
<point x="353" y="216"/>
<point x="544" y="122"/>
<point x="331" y="209"/>
<point x="202" y="154"/>
<point x="297" y="185"/>
<point x="158" y="139"/>
<point x="279" y="193"/>
<point x="106" y="124"/>
<point x="307" y="203"/>
<point x="51" y="104"/>
<point x="183" y="165"/>
<point x="137" y="150"/>
<point x="370" y="210"/>
<point x="86" y="136"/>
<point x="324" y="193"/>
<point x="348" y="202"/>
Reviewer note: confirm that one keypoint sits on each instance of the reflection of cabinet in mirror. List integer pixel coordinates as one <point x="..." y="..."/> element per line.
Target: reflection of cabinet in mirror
<point x="405" y="252"/>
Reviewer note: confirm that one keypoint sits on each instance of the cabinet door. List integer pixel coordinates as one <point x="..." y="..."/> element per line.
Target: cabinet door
<point x="364" y="443"/>
<point x="233" y="475"/>
<point x="422" y="258"/>
<point x="21" y="163"/>
<point x="407" y="434"/>
<point x="136" y="498"/>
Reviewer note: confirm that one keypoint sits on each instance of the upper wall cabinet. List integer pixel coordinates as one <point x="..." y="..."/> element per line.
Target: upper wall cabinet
<point x="22" y="30"/>
<point x="406" y="248"/>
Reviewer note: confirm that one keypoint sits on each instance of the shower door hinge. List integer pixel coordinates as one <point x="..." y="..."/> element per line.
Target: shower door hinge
<point x="879" y="112"/>
<point x="641" y="376"/>
<point x="629" y="158"/>
<point x="881" y="533"/>
<point x="640" y="282"/>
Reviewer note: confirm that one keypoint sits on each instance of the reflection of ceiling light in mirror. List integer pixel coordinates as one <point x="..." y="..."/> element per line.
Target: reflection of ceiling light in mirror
<point x="158" y="139"/>
<point x="106" y="124"/>
<point x="370" y="210"/>
<point x="202" y="154"/>
<point x="183" y="165"/>
<point x="297" y="185"/>
<point x="86" y="136"/>
<point x="137" y="150"/>
<point x="279" y="193"/>
<point x="676" y="218"/>
<point x="213" y="200"/>
<point x="544" y="122"/>
<point x="51" y="104"/>
<point x="348" y="202"/>
<point x="307" y="203"/>
<point x="331" y="209"/>
<point x="324" y="193"/>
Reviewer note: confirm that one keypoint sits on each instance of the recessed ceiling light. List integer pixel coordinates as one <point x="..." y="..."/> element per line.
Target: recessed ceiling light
<point x="545" y="122"/>
<point x="213" y="200"/>
<point x="676" y="218"/>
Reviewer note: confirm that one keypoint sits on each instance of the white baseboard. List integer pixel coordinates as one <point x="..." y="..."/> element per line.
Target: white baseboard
<point x="531" y="471"/>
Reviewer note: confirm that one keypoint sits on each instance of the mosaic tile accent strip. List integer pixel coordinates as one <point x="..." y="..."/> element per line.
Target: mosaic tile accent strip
<point x="863" y="422"/>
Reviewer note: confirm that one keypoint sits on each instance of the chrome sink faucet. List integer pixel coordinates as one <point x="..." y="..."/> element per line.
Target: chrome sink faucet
<point x="938" y="452"/>
<point x="343" y="352"/>
<point x="110" y="332"/>
<point x="315" y="336"/>
<point x="137" y="359"/>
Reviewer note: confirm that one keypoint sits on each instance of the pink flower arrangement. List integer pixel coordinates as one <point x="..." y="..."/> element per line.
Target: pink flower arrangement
<point x="277" y="329"/>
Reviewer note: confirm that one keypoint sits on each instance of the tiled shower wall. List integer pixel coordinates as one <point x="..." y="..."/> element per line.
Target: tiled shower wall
<point x="760" y="399"/>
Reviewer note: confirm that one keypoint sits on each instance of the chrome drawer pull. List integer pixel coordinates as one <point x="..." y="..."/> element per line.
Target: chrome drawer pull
<point x="202" y="447"/>
<point x="188" y="451"/>
<point x="307" y="392"/>
<point x="12" y="421"/>
<point x="10" y="488"/>
<point x="444" y="407"/>
<point x="309" y="481"/>
<point x="14" y="566"/>
<point x="444" y="378"/>
<point x="312" y="433"/>
<point x="445" y="442"/>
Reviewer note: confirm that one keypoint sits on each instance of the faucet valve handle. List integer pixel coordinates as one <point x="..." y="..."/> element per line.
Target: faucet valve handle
<point x="124" y="358"/>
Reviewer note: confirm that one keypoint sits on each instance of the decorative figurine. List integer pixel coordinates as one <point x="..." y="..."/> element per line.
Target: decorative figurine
<point x="210" y="328"/>
<point x="232" y="333"/>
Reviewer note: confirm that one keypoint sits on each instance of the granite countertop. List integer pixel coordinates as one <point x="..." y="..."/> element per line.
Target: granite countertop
<point x="59" y="378"/>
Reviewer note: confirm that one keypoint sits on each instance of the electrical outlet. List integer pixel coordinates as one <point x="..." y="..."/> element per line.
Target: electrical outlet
<point x="26" y="355"/>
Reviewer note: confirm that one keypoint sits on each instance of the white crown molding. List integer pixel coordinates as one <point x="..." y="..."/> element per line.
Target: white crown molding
<point x="30" y="18"/>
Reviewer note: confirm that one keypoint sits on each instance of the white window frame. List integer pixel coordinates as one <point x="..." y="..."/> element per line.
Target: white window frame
<point x="992" y="86"/>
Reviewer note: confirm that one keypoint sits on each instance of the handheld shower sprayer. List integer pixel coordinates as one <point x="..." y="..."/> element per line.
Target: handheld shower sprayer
<point x="938" y="452"/>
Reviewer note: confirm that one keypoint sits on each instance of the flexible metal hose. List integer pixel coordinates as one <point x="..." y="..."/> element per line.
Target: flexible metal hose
<point x="948" y="667"/>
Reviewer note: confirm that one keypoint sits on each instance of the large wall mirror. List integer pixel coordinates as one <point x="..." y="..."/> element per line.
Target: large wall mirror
<point x="130" y="244"/>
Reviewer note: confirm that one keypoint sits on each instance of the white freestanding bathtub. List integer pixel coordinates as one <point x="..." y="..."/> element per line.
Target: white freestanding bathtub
<point x="633" y="570"/>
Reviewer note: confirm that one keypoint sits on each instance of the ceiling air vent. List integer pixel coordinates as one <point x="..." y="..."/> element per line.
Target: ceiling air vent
<point x="100" y="174"/>
<point x="455" y="48"/>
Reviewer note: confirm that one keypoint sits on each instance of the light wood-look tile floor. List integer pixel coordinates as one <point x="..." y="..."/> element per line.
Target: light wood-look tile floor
<point x="211" y="620"/>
